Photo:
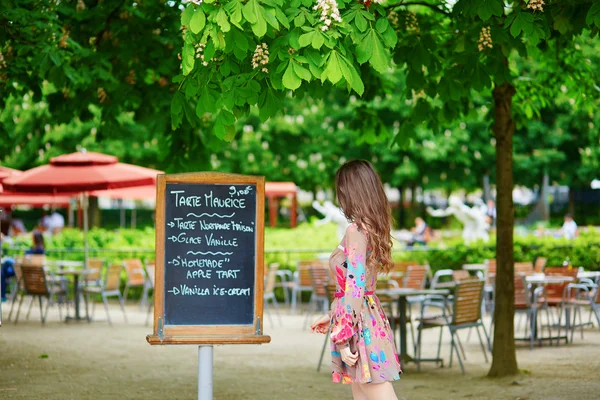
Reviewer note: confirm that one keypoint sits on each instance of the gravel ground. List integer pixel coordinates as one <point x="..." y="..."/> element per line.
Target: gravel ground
<point x="97" y="361"/>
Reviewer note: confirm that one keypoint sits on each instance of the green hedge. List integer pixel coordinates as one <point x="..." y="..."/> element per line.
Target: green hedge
<point x="309" y="241"/>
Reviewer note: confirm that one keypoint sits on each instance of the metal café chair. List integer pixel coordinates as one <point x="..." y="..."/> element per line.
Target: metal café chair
<point x="109" y="288"/>
<point x="466" y="313"/>
<point x="319" y="276"/>
<point x="37" y="283"/>
<point x="269" y="292"/>
<point x="151" y="273"/>
<point x="135" y="276"/>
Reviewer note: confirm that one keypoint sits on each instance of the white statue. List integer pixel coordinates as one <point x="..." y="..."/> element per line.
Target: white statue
<point x="474" y="219"/>
<point x="332" y="214"/>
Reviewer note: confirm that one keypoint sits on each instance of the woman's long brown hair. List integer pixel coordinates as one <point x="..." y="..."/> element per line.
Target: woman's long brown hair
<point x="362" y="198"/>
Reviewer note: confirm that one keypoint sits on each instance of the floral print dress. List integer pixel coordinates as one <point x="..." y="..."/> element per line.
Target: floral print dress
<point x="357" y="318"/>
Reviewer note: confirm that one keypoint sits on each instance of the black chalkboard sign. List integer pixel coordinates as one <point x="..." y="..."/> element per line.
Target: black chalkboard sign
<point x="210" y="253"/>
<point x="209" y="259"/>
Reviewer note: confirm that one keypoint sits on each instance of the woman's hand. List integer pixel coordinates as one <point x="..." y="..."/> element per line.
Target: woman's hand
<point x="348" y="357"/>
<point x="321" y="325"/>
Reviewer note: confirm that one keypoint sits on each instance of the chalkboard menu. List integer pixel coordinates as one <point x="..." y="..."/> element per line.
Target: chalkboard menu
<point x="209" y="259"/>
<point x="210" y="253"/>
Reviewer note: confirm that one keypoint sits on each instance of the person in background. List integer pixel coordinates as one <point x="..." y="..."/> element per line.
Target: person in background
<point x="569" y="228"/>
<point x="7" y="270"/>
<point x="491" y="212"/>
<point x="17" y="227"/>
<point x="38" y="244"/>
<point x="8" y="266"/>
<point x="421" y="233"/>
<point x="44" y="224"/>
<point x="56" y="222"/>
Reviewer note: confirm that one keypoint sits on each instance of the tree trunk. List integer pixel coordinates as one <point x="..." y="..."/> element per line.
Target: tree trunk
<point x="571" y="209"/>
<point x="487" y="190"/>
<point x="545" y="198"/>
<point x="504" y="353"/>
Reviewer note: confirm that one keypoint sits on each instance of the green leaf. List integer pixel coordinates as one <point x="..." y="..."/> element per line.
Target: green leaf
<point x="186" y="15"/>
<point x="382" y="25"/>
<point x="282" y="18"/>
<point x="536" y="35"/>
<point x="234" y="8"/>
<point x="364" y="50"/>
<point x="269" y="104"/>
<point x="55" y="57"/>
<point x="290" y="79"/>
<point x="361" y="22"/>
<point x="205" y="104"/>
<point x="333" y="71"/>
<point x="240" y="40"/>
<point x="318" y="40"/>
<point x="523" y="22"/>
<point x="188" y="58"/>
<point x="562" y="24"/>
<point x="209" y="50"/>
<point x="372" y="49"/>
<point x="487" y="8"/>
<point x="177" y="103"/>
<point x="294" y="37"/>
<point x="381" y="57"/>
<point x="390" y="38"/>
<point x="301" y="72"/>
<point x="299" y="20"/>
<point x="357" y="83"/>
<point x="306" y="38"/>
<point x="593" y="15"/>
<point x="256" y="14"/>
<point x="189" y="114"/>
<point x="191" y="88"/>
<point x="271" y="19"/>
<point x="198" y="21"/>
<point x="223" y="21"/>
<point x="250" y="11"/>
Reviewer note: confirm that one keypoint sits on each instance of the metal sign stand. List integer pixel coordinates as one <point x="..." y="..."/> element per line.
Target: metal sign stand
<point x="205" y="372"/>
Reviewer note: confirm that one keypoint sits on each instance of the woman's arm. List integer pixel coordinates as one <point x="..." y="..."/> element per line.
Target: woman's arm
<point x="347" y="310"/>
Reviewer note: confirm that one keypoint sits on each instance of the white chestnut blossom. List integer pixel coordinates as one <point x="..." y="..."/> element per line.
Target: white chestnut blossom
<point x="485" y="39"/>
<point x="412" y="24"/>
<point x="261" y="57"/>
<point x="536" y="5"/>
<point x="200" y="52"/>
<point x="329" y="12"/>
<point x="394" y="19"/>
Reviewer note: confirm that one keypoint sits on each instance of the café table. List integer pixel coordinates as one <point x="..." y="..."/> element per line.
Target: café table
<point x="474" y="267"/>
<point x="75" y="273"/>
<point x="65" y="263"/>
<point x="542" y="280"/>
<point x="588" y="275"/>
<point x="401" y="294"/>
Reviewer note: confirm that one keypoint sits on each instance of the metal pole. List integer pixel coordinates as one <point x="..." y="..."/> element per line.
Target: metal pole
<point x="84" y="197"/>
<point x="205" y="373"/>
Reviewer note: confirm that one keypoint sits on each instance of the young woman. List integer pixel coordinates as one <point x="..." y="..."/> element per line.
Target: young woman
<point x="362" y="351"/>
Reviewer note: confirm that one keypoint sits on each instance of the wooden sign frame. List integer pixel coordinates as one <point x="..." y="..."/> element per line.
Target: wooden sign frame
<point x="208" y="334"/>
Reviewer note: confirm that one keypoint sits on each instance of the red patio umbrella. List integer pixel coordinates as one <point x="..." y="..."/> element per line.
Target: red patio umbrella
<point x="147" y="192"/>
<point x="6" y="172"/>
<point x="81" y="172"/>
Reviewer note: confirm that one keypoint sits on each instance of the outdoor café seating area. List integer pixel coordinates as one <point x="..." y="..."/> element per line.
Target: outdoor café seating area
<point x="75" y="290"/>
<point x="551" y="304"/>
